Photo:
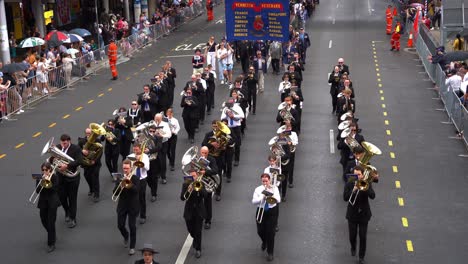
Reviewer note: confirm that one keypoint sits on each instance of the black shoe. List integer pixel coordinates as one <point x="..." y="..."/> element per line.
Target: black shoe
<point x="126" y="242"/>
<point x="115" y="78"/>
<point x="353" y="252"/>
<point x="361" y="261"/>
<point x="228" y="180"/>
<point x="212" y="107"/>
<point x="276" y="229"/>
<point x="153" y="199"/>
<point x="333" y="111"/>
<point x="67" y="219"/>
<point x="283" y="199"/>
<point x="391" y="49"/>
<point x="236" y="163"/>
<point x="96" y="198"/>
<point x="208" y="113"/>
<point x="90" y="193"/>
<point x="142" y="221"/>
<point x="50" y="248"/>
<point x="164" y="181"/>
<point x="202" y="122"/>
<point x="291" y="185"/>
<point x="196" y="130"/>
<point x="172" y="168"/>
<point x="207" y="225"/>
<point x="198" y="254"/>
<point x="270" y="257"/>
<point x="263" y="246"/>
<point x="192" y="141"/>
<point x="72" y="224"/>
<point x="253" y="113"/>
<point x="217" y="197"/>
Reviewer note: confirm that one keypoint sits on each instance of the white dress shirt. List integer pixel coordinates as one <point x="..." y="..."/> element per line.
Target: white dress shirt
<point x="453" y="82"/>
<point x="258" y="196"/>
<point x="174" y="125"/>
<point x="145" y="169"/>
<point x="166" y="130"/>
<point x="203" y="82"/>
<point x="238" y="115"/>
<point x="284" y="85"/>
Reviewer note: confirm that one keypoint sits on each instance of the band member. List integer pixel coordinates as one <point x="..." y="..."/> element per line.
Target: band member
<point x="201" y="96"/>
<point x="267" y="225"/>
<point x="288" y="107"/>
<point x="251" y="82"/>
<point x="359" y="214"/>
<point x="172" y="142"/>
<point x="343" y="145"/>
<point x="135" y="114"/>
<point x="159" y="87"/>
<point x="48" y="203"/>
<point x="171" y="75"/>
<point x="155" y="149"/>
<point x="68" y="185"/>
<point x="260" y="66"/>
<point x="304" y="41"/>
<point x="194" y="210"/>
<point x="141" y="174"/>
<point x="228" y="156"/>
<point x="294" y="141"/>
<point x="295" y="74"/>
<point x="91" y="170"/>
<point x="210" y="51"/>
<point x="296" y="94"/>
<point x="210" y="91"/>
<point x="233" y="114"/>
<point x="240" y="100"/>
<point x="285" y="165"/>
<point x="358" y="153"/>
<point x="343" y="67"/>
<point x="197" y="92"/>
<point x="124" y="124"/>
<point x="190" y="114"/>
<point x="112" y="55"/>
<point x="197" y="62"/>
<point x="284" y="87"/>
<point x="112" y="147"/>
<point x="216" y="151"/>
<point x="212" y="170"/>
<point x="334" y="80"/>
<point x="148" y="101"/>
<point x="128" y="206"/>
<point x="164" y="134"/>
<point x="148" y="255"/>
<point x="345" y="103"/>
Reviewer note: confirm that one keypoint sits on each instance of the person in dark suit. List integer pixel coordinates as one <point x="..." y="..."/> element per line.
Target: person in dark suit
<point x="345" y="103"/>
<point x="359" y="214"/>
<point x="343" y="67"/>
<point x="171" y="75"/>
<point x="212" y="170"/>
<point x="91" y="171"/>
<point x="112" y="147"/>
<point x="334" y="80"/>
<point x="251" y="82"/>
<point x="358" y="153"/>
<point x="190" y="113"/>
<point x="48" y="203"/>
<point x="244" y="53"/>
<point x="148" y="255"/>
<point x="210" y="91"/>
<point x="295" y="74"/>
<point x="304" y="41"/>
<point x="194" y="210"/>
<point x="128" y="206"/>
<point x="346" y="152"/>
<point x="68" y="185"/>
<point x="228" y="155"/>
<point x="279" y="119"/>
<point x="260" y="66"/>
<point x="155" y="148"/>
<point x="198" y="92"/>
<point x="148" y="102"/>
<point x="159" y="87"/>
<point x="135" y="114"/>
<point x="124" y="124"/>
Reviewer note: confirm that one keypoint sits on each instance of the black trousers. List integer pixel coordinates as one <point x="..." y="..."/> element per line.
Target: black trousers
<point x="252" y="99"/>
<point x="91" y="175"/>
<point x="142" y="198"/>
<point x="208" y="201"/>
<point x="147" y="116"/>
<point x="201" y="108"/>
<point x="229" y="155"/>
<point x="162" y="168"/>
<point x="291" y="167"/>
<point x="68" y="193"/>
<point x="152" y="178"/>
<point x="334" y="101"/>
<point x="190" y="124"/>
<point x="48" y="217"/>
<point x="275" y="65"/>
<point x="353" y="231"/>
<point x="121" y="220"/>
<point x="245" y="64"/>
<point x="210" y="94"/>
<point x="125" y="145"/>
<point x="266" y="229"/>
<point x="112" y="158"/>
<point x="171" y="149"/>
<point x="236" y="134"/>
<point x="243" y="126"/>
<point x="194" y="227"/>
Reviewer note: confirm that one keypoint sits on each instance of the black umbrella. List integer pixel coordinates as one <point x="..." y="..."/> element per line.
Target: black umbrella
<point x="14" y="67"/>
<point x="450" y="56"/>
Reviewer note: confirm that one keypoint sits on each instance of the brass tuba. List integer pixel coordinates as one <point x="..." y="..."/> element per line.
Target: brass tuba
<point x="58" y="158"/>
<point x="221" y="136"/>
<point x="349" y="140"/>
<point x="94" y="148"/>
<point x="284" y="112"/>
<point x="191" y="160"/>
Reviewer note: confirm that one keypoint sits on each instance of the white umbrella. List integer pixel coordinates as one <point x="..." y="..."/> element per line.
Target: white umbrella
<point x="72" y="52"/>
<point x="31" y="42"/>
<point x="73" y="38"/>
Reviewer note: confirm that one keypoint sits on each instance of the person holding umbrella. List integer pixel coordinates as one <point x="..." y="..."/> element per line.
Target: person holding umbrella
<point x="112" y="54"/>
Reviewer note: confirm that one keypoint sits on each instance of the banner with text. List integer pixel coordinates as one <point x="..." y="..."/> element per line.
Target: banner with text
<point x="257" y="20"/>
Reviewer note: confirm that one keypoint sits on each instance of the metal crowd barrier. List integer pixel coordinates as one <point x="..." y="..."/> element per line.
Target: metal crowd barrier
<point x="456" y="111"/>
<point x="32" y="91"/>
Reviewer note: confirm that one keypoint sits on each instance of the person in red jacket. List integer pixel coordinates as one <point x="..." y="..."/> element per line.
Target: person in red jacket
<point x="112" y="54"/>
<point x="209" y="9"/>
<point x="395" y="40"/>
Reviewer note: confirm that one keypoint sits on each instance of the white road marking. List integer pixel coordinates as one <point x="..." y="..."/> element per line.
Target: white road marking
<point x="185" y="250"/>
<point x="219" y="21"/>
<point x="330" y="44"/>
<point x="369" y="7"/>
<point x="332" y="141"/>
<point x="333" y="22"/>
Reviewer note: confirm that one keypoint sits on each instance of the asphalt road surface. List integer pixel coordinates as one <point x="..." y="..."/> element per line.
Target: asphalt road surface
<point x="419" y="214"/>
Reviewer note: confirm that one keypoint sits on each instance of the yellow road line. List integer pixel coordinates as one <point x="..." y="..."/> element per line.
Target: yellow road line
<point x="386" y="122"/>
<point x="389" y="133"/>
<point x="374" y="52"/>
<point x="377" y="69"/>
<point x="128" y="78"/>
<point x="401" y="202"/>
<point x="385" y="113"/>
<point x="390" y="143"/>
<point x="37" y="134"/>
<point x="395" y="169"/>
<point x="91" y="101"/>
<point x="110" y="89"/>
<point x="149" y="65"/>
<point x="383" y="106"/>
<point x="78" y="108"/>
<point x="100" y="95"/>
<point x="52" y="125"/>
<point x="375" y="57"/>
<point x="378" y="74"/>
<point x="409" y="245"/>
<point x="382" y="98"/>
<point x="142" y="69"/>
<point x="397" y="184"/>
<point x="376" y="61"/>
<point x="2" y="156"/>
<point x="404" y="221"/>
<point x="19" y="145"/>
<point x="381" y="91"/>
<point x="376" y="65"/>
<point x="155" y="60"/>
<point x="392" y="155"/>
<point x="380" y="85"/>
<point x="135" y="73"/>
<point x="66" y="116"/>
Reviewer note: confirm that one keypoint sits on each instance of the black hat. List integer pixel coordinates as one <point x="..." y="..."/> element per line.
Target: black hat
<point x="149" y="248"/>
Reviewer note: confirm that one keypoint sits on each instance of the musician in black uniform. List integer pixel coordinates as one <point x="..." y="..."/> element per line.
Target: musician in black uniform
<point x="135" y="114"/>
<point x="269" y="221"/>
<point x="334" y="80"/>
<point x="345" y="103"/>
<point x="285" y="165"/>
<point x="153" y="173"/>
<point x="194" y="210"/>
<point x="112" y="147"/>
<point x="288" y="101"/>
<point x="346" y="152"/>
<point x="294" y="75"/>
<point x="358" y="153"/>
<point x="148" y="255"/>
<point x="171" y="75"/>
<point x="92" y="167"/>
<point x="240" y="100"/>
<point x="68" y="185"/>
<point x="214" y="147"/>
<point x="228" y="156"/>
<point x="197" y="91"/>
<point x="296" y="94"/>
<point x="48" y="203"/>
<point x="212" y="170"/>
<point x="234" y="114"/>
<point x="190" y="113"/>
<point x="128" y="206"/>
<point x="124" y="124"/>
<point x="359" y="214"/>
<point x="159" y="87"/>
<point x="251" y="82"/>
<point x="210" y="91"/>
<point x="148" y="101"/>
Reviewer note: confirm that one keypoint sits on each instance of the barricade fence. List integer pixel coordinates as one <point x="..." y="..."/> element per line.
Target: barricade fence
<point x="43" y="85"/>
<point x="453" y="106"/>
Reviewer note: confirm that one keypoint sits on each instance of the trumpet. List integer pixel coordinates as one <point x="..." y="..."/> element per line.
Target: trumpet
<point x="268" y="199"/>
<point x="45" y="183"/>
<point x="196" y="185"/>
<point x="110" y="137"/>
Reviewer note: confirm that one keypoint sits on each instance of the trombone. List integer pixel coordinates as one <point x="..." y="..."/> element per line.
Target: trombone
<point x="45" y="182"/>
<point x="196" y="185"/>
<point x="268" y="199"/>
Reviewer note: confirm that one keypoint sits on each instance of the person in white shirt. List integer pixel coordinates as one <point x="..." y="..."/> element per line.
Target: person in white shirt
<point x="221" y="54"/>
<point x="453" y="82"/>
<point x="229" y="63"/>
<point x="267" y="213"/>
<point x="142" y="174"/>
<point x="164" y="133"/>
<point x="172" y="142"/>
<point x="233" y="113"/>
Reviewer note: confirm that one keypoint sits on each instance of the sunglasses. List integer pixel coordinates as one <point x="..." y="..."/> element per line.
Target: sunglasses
<point x="152" y="131"/>
<point x="134" y="104"/>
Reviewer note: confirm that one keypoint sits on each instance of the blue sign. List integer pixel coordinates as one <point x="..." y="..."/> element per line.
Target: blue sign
<point x="257" y="20"/>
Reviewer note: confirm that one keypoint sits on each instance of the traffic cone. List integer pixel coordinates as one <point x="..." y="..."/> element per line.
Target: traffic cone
<point x="410" y="40"/>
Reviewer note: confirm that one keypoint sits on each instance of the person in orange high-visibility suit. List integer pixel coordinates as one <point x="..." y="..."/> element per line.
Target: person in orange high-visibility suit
<point x="395" y="40"/>
<point x="209" y="9"/>
<point x="389" y="19"/>
<point x="112" y="55"/>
